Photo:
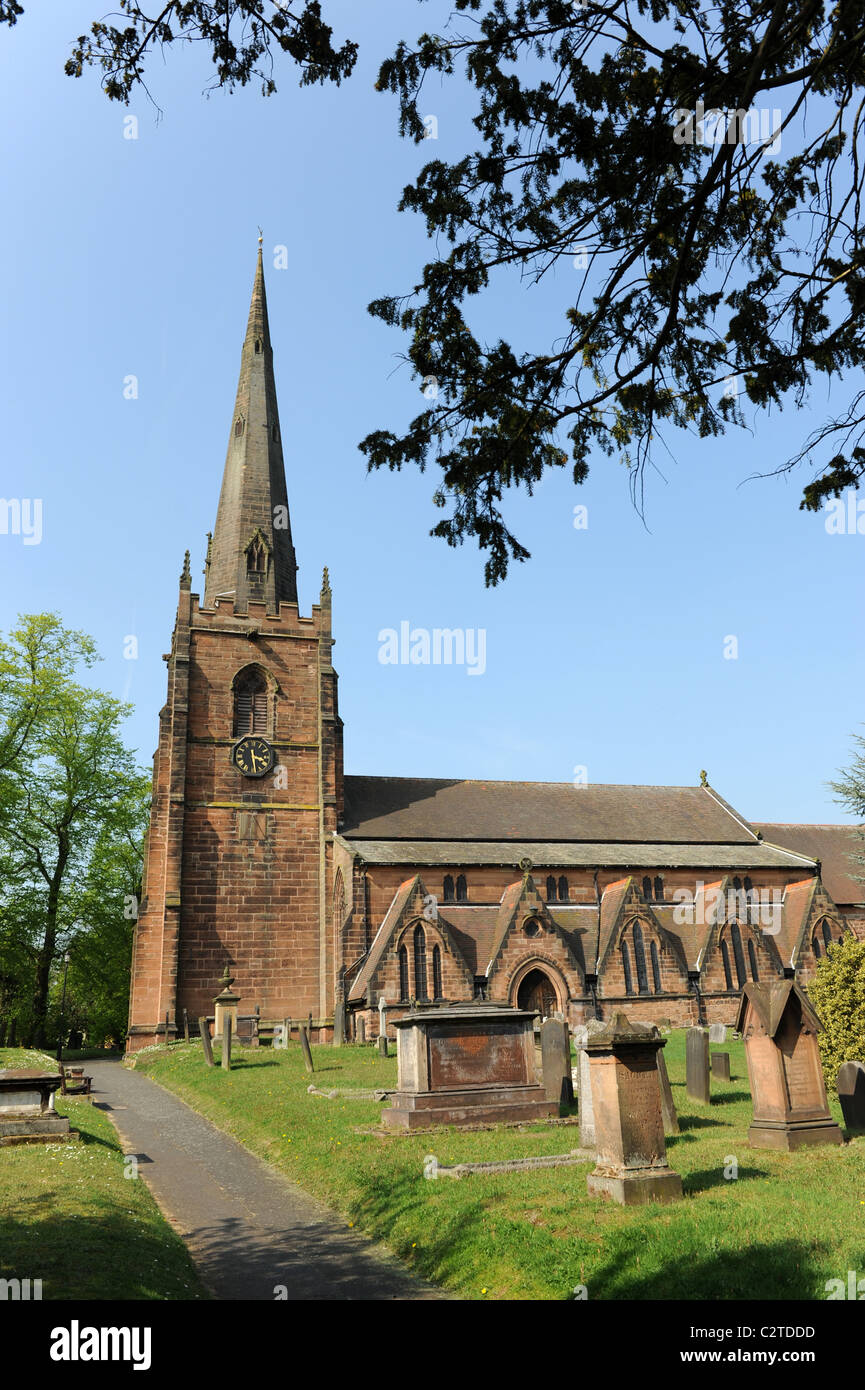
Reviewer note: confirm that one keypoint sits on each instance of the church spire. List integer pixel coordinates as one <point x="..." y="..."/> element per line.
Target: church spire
<point x="251" y="555"/>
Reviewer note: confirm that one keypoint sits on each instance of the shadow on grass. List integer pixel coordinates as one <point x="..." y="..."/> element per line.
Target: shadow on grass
<point x="729" y="1097"/>
<point x="106" y="1255"/>
<point x="705" y="1178"/>
<point x="780" y="1270"/>
<point x="687" y="1122"/>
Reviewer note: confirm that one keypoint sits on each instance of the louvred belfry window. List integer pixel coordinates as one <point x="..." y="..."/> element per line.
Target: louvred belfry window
<point x="250" y="704"/>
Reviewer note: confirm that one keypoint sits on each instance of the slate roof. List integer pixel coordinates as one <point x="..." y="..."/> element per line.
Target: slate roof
<point x="426" y="808"/>
<point x="751" y="854"/>
<point x="831" y="844"/>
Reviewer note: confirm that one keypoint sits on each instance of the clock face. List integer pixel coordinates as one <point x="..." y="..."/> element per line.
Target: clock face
<point x="252" y="756"/>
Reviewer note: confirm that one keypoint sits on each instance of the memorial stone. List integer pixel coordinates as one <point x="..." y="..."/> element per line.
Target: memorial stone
<point x="717" y="1033"/>
<point x="382" y="1045"/>
<point x="305" y="1049"/>
<point x="851" y="1093"/>
<point x="697" y="1065"/>
<point x="205" y="1041"/>
<point x="668" y="1108"/>
<point x="556" y="1061"/>
<point x="582" y="1033"/>
<point x="466" y="1064"/>
<point x="27" y="1113"/>
<point x="779" y="1028"/>
<point x="631" y="1155"/>
<point x="721" y="1065"/>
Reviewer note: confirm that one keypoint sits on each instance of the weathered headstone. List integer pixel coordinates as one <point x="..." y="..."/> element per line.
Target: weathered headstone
<point x="668" y="1108"/>
<point x="361" y="1029"/>
<point x="304" y="1047"/>
<point x="717" y="1032"/>
<point x="779" y="1026"/>
<point x="851" y="1093"/>
<point x="556" y="1061"/>
<point x="630" y="1150"/>
<point x="186" y="1025"/>
<point x="697" y="1065"/>
<point x="27" y="1113"/>
<point x="582" y="1033"/>
<point x="721" y="1065"/>
<point x="382" y="1044"/>
<point x="226" y="1047"/>
<point x="466" y="1064"/>
<point x="205" y="1041"/>
<point x="339" y="1022"/>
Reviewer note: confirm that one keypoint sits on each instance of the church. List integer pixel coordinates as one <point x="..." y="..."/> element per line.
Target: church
<point x="326" y="893"/>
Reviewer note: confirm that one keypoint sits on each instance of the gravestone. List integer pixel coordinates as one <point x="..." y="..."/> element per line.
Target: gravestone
<point x="361" y="1029"/>
<point x="717" y="1033"/>
<point x="382" y="1045"/>
<point x="668" y="1108"/>
<point x="582" y="1033"/>
<point x="631" y="1155"/>
<point x="466" y="1064"/>
<point x="226" y="1046"/>
<point x="27" y="1114"/>
<point x="556" y="1061"/>
<point x="851" y="1093"/>
<point x="205" y="1041"/>
<point x="225" y="1007"/>
<point x="305" y="1049"/>
<point x="779" y="1028"/>
<point x="721" y="1065"/>
<point x="697" y="1066"/>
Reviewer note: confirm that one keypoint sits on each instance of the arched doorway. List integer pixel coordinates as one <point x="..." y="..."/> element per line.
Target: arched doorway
<point x="536" y="992"/>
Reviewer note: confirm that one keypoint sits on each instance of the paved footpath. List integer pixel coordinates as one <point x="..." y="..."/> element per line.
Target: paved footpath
<point x="247" y="1227"/>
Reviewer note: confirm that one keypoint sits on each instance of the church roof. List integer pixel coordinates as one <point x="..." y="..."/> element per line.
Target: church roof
<point x="831" y="844"/>
<point x="590" y="854"/>
<point x="426" y="808"/>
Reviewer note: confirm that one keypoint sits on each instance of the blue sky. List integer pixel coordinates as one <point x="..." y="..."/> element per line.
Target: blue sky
<point x="606" y="651"/>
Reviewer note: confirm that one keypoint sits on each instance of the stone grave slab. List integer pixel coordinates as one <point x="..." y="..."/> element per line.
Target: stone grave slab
<point x="851" y="1093"/>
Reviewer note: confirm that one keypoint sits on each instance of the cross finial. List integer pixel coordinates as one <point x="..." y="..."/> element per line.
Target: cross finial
<point x="704" y="778"/>
<point x="260" y="238"/>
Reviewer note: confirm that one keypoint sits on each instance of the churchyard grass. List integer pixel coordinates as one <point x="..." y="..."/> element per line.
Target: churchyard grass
<point x="69" y="1217"/>
<point x="783" y="1227"/>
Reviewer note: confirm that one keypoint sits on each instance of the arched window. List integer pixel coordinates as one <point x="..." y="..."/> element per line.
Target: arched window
<point x="725" y="957"/>
<point x="737" y="885"/>
<point x="647" y="888"/>
<point x="738" y="955"/>
<point x="626" y="966"/>
<point x="748" y="884"/>
<point x="827" y="934"/>
<point x="250" y="703"/>
<point x="659" y="889"/>
<point x="258" y="345"/>
<point x="656" y="967"/>
<point x="338" y="900"/>
<point x="462" y="891"/>
<point x="437" y="972"/>
<point x="256" y="557"/>
<point x="403" y="973"/>
<point x="640" y="960"/>
<point x="551" y="889"/>
<point x="752" y="957"/>
<point x="563" y="889"/>
<point x="817" y="950"/>
<point x="238" y="427"/>
<point x="420" y="988"/>
<point x="448" y="894"/>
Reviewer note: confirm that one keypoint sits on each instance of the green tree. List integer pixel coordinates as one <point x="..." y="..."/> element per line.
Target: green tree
<point x="850" y="793"/>
<point x="71" y="784"/>
<point x="838" y="993"/>
<point x="616" y="142"/>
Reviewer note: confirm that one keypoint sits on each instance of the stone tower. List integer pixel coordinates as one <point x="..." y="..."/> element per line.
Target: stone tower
<point x="247" y="777"/>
